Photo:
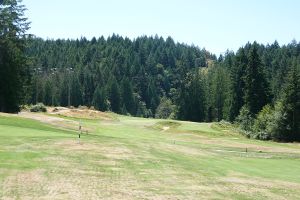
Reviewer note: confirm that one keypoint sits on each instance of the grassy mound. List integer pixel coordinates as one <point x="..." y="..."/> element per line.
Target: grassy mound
<point x="165" y="125"/>
<point x="82" y="113"/>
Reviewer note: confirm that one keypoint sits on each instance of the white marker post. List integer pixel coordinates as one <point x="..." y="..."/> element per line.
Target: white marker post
<point x="79" y="132"/>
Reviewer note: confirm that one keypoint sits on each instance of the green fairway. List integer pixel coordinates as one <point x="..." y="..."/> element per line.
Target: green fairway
<point x="133" y="158"/>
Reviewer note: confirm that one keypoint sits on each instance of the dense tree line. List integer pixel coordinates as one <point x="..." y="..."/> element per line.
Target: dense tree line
<point x="151" y="76"/>
<point x="264" y="90"/>
<point x="117" y="74"/>
<point x="257" y="87"/>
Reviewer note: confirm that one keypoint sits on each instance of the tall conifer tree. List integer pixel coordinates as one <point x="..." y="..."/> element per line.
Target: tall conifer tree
<point x="13" y="73"/>
<point x="256" y="92"/>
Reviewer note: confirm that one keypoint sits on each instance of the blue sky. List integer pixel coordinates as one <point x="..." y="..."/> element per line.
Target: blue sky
<point x="216" y="25"/>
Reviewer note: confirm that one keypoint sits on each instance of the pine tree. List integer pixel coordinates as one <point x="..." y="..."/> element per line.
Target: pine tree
<point x="193" y="98"/>
<point x="64" y="92"/>
<point x="236" y="94"/>
<point x="115" y="96"/>
<point x="127" y="96"/>
<point x="12" y="60"/>
<point x="75" y="91"/>
<point x="48" y="92"/>
<point x="152" y="99"/>
<point x="291" y="105"/>
<point x="256" y="91"/>
<point x="88" y="87"/>
<point x="100" y="99"/>
<point x="220" y="85"/>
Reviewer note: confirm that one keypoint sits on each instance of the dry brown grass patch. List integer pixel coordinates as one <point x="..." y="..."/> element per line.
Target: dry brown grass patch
<point x="83" y="113"/>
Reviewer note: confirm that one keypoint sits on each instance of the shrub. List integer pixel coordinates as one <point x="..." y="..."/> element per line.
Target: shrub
<point x="40" y="107"/>
<point x="92" y="108"/>
<point x="165" y="109"/>
<point x="271" y="123"/>
<point x="24" y="107"/>
<point x="224" y="124"/>
<point x="245" y="121"/>
<point x="55" y="110"/>
<point x="278" y="125"/>
<point x="82" y="107"/>
<point x="261" y="127"/>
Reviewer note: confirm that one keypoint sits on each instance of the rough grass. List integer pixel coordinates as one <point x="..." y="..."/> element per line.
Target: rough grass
<point x="135" y="158"/>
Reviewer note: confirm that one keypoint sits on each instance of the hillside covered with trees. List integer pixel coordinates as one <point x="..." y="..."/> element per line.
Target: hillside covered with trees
<point x="128" y="77"/>
<point x="257" y="86"/>
<point x="153" y="77"/>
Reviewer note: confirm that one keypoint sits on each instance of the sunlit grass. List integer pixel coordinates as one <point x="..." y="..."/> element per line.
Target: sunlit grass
<point x="142" y="159"/>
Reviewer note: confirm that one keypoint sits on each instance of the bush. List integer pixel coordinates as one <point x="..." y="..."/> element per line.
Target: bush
<point x="40" y="107"/>
<point x="261" y="127"/>
<point x="92" y="108"/>
<point x="245" y="121"/>
<point x="82" y="107"/>
<point x="55" y="110"/>
<point x="24" y="107"/>
<point x="270" y="123"/>
<point x="278" y="125"/>
<point x="224" y="124"/>
<point x="165" y="109"/>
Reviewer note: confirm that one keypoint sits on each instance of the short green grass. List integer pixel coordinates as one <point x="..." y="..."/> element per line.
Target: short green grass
<point x="136" y="158"/>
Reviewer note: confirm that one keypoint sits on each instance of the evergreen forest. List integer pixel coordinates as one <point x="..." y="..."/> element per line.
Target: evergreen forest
<point x="256" y="87"/>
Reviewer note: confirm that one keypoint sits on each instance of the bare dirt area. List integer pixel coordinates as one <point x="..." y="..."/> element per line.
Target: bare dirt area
<point x="54" y="114"/>
<point x="83" y="113"/>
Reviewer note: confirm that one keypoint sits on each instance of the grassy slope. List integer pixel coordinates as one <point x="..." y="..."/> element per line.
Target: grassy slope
<point x="134" y="158"/>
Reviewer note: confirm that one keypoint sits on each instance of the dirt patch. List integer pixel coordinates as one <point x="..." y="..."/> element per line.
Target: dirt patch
<point x="83" y="113"/>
